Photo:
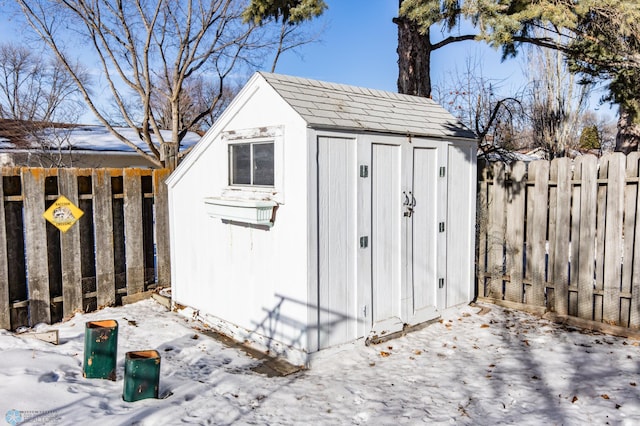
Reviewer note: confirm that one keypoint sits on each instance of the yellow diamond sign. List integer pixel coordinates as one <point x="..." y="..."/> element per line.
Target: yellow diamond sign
<point x="63" y="214"/>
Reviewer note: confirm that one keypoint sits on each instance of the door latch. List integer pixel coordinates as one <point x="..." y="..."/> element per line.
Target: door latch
<point x="409" y="203"/>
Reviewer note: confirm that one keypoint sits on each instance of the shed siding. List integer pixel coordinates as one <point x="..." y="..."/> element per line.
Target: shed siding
<point x="336" y="237"/>
<point x="461" y="219"/>
<point x="250" y="277"/>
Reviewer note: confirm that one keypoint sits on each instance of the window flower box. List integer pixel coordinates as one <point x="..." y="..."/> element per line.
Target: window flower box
<point x="255" y="212"/>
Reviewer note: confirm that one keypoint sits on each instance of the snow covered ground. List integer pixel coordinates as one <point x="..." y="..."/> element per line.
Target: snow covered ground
<point x="473" y="367"/>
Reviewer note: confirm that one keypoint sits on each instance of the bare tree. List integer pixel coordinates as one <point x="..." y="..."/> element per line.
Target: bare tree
<point x="37" y="95"/>
<point x="290" y="37"/>
<point x="556" y="101"/>
<point x="477" y="102"/>
<point x="54" y="145"/>
<point x="197" y="95"/>
<point x="36" y="88"/>
<point x="146" y="47"/>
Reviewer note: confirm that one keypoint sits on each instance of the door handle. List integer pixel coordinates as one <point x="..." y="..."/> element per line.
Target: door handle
<point x="409" y="203"/>
<point x="406" y="199"/>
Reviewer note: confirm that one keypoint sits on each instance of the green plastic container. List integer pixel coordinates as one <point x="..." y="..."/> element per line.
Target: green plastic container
<point x="100" y="349"/>
<point x="141" y="375"/>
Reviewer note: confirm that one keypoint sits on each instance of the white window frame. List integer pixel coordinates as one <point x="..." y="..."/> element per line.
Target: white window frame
<point x="251" y="145"/>
<point x="272" y="134"/>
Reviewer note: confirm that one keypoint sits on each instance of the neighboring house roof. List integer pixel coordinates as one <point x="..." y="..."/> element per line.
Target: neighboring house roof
<point x="504" y="155"/>
<point x="331" y="105"/>
<point x="79" y="138"/>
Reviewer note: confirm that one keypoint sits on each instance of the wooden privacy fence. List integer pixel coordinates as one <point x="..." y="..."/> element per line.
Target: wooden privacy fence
<point x="563" y="235"/>
<point x="119" y="246"/>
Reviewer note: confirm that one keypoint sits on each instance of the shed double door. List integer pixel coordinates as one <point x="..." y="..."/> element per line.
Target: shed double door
<point x="407" y="241"/>
<point x="380" y="252"/>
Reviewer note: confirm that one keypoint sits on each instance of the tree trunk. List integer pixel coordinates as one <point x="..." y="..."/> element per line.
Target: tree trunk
<point x="414" y="58"/>
<point x="170" y="149"/>
<point x="628" y="137"/>
<point x="170" y="155"/>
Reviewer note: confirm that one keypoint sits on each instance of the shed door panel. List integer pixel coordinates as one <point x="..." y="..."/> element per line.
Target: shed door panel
<point x="386" y="233"/>
<point x="337" y="256"/>
<point x="424" y="236"/>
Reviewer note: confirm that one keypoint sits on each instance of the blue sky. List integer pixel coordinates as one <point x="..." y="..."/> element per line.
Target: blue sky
<point x="358" y="47"/>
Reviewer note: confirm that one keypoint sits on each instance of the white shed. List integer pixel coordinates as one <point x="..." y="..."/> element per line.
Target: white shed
<point x="313" y="214"/>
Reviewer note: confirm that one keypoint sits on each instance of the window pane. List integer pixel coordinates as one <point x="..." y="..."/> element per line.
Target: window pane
<point x="263" y="164"/>
<point x="241" y="164"/>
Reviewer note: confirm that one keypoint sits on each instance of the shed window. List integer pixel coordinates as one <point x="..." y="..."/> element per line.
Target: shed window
<point x="251" y="164"/>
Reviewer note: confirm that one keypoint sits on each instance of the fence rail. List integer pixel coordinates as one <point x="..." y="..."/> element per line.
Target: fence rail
<point x="119" y="246"/>
<point x="563" y="235"/>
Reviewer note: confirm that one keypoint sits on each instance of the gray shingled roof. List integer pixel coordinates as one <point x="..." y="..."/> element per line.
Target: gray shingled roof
<point x="331" y="105"/>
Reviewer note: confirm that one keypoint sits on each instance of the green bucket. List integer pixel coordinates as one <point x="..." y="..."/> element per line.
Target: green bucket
<point x="100" y="349"/>
<point x="141" y="375"/>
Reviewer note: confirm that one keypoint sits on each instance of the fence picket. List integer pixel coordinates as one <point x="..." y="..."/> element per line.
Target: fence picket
<point x="36" y="245"/>
<point x="481" y="228"/>
<point x="496" y="231"/>
<point x="103" y="228"/>
<point x="574" y="269"/>
<point x="586" y="268"/>
<point x="162" y="226"/>
<point x="515" y="232"/>
<point x="551" y="230"/>
<point x="5" y="307"/>
<point x="539" y="172"/>
<point x="70" y="249"/>
<point x="629" y="236"/>
<point x="601" y="214"/>
<point x="559" y="257"/>
<point x="613" y="238"/>
<point x="133" y="230"/>
<point x="634" y="308"/>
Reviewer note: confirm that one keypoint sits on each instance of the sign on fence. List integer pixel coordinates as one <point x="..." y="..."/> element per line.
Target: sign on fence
<point x="63" y="214"/>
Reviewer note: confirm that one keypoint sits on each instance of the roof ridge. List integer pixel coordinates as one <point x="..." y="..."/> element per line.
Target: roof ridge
<point x="367" y="91"/>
